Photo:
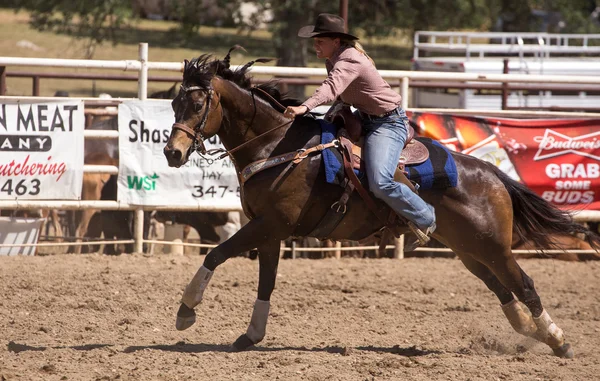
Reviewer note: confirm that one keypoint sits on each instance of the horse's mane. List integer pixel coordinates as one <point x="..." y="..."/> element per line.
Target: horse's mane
<point x="201" y="70"/>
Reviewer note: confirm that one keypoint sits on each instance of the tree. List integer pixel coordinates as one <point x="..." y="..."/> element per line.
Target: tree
<point x="576" y="15"/>
<point x="95" y="20"/>
<point x="100" y="20"/>
<point x="557" y="16"/>
<point x="287" y="17"/>
<point x="192" y="14"/>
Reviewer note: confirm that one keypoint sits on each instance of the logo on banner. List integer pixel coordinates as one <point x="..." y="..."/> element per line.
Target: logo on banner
<point x="147" y="183"/>
<point x="145" y="177"/>
<point x="554" y="144"/>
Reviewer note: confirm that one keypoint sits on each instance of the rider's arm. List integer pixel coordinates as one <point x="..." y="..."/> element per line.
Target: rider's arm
<point x="340" y="77"/>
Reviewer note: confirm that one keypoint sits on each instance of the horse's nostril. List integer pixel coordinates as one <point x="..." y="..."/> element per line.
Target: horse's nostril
<point x="173" y="154"/>
<point x="176" y="154"/>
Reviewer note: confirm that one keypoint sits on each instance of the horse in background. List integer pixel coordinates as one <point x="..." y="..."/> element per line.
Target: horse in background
<point x="92" y="224"/>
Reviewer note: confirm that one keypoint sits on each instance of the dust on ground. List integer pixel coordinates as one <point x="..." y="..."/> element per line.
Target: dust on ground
<point x="94" y="317"/>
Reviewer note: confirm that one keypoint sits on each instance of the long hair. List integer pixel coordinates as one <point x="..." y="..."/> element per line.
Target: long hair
<point x="356" y="45"/>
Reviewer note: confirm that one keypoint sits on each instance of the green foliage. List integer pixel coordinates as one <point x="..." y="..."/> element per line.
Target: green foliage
<point x="101" y="20"/>
<point x="192" y="14"/>
<point x="576" y="15"/>
<point x="96" y="20"/>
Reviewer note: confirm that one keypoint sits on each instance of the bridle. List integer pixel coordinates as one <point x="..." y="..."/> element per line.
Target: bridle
<point x="197" y="134"/>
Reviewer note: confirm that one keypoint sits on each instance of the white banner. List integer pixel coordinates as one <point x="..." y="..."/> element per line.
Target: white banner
<point x="144" y="175"/>
<point x="41" y="150"/>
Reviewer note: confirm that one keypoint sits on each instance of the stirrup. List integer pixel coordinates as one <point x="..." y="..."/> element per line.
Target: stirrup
<point x="422" y="237"/>
<point x="410" y="243"/>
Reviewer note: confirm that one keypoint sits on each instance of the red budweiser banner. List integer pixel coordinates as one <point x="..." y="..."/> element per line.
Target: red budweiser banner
<point x="559" y="159"/>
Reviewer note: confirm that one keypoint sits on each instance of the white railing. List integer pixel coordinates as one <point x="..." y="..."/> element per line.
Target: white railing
<point x="540" y="44"/>
<point x="142" y="65"/>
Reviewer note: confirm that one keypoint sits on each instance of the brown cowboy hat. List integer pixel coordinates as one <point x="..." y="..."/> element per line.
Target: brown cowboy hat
<point x="327" y="25"/>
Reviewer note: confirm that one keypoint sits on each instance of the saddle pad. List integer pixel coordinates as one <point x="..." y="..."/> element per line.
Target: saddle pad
<point x="332" y="158"/>
<point x="438" y="172"/>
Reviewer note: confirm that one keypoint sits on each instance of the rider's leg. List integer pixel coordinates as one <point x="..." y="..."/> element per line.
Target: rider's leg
<point x="383" y="144"/>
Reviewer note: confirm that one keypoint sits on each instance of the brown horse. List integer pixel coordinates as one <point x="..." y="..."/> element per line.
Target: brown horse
<point x="476" y="219"/>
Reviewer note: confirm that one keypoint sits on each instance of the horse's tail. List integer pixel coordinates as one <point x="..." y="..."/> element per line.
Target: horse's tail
<point x="536" y="219"/>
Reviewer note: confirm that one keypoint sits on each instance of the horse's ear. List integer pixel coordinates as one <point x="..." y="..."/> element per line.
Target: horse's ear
<point x="227" y="59"/>
<point x="215" y="66"/>
<point x="185" y="64"/>
<point x="249" y="64"/>
<point x="264" y="60"/>
<point x="236" y="47"/>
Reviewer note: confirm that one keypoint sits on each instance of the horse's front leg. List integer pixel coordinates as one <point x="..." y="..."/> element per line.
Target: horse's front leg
<point x="248" y="237"/>
<point x="268" y="257"/>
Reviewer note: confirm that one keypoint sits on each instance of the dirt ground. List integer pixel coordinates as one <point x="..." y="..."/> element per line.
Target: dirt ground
<point x="93" y="317"/>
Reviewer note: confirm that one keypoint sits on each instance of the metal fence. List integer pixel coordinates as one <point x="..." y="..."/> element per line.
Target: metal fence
<point x="142" y="66"/>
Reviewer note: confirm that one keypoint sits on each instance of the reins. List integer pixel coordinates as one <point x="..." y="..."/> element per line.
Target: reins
<point x="197" y="134"/>
<point x="253" y="139"/>
<point x="235" y="149"/>
<point x="270" y="98"/>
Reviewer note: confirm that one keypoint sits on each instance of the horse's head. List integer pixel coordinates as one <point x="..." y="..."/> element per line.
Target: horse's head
<point x="197" y="108"/>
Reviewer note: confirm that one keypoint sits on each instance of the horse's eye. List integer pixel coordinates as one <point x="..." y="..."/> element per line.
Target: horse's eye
<point x="198" y="107"/>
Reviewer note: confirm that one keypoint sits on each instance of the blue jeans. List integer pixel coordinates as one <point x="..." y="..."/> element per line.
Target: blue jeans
<point x="383" y="144"/>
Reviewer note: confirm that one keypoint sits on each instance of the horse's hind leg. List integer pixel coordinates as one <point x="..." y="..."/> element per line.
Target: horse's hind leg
<point x="520" y="320"/>
<point x="268" y="257"/>
<point x="548" y="332"/>
<point x="508" y="271"/>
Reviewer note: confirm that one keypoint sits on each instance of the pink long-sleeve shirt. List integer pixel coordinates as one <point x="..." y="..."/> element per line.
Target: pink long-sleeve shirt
<point x="353" y="78"/>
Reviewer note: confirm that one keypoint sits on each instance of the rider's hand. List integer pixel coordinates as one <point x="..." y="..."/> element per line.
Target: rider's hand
<point x="294" y="111"/>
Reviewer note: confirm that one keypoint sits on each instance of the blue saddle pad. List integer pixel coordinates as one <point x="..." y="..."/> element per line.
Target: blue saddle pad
<point x="439" y="171"/>
<point x="332" y="158"/>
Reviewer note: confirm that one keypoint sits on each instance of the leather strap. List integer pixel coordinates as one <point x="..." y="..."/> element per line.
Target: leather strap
<point x="335" y="214"/>
<point x="384" y="238"/>
<point x="347" y="154"/>
<point x="297" y="156"/>
<point x="393" y="220"/>
<point x="270" y="98"/>
<point x="255" y="138"/>
<point x="283" y="173"/>
<point x="400" y="177"/>
<point x="184" y="128"/>
<point x="197" y="140"/>
<point x="347" y="193"/>
<point x="364" y="115"/>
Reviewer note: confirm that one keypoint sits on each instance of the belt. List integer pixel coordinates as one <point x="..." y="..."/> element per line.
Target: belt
<point x="364" y="115"/>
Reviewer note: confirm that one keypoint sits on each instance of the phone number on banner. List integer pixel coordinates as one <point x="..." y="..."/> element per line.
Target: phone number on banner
<point x="218" y="191"/>
<point x="23" y="187"/>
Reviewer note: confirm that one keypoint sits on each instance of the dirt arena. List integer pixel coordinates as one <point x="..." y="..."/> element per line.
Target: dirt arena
<point x="93" y="317"/>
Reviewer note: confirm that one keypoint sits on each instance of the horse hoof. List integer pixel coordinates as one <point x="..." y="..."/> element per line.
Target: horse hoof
<point x="242" y="343"/>
<point x="565" y="351"/>
<point x="186" y="317"/>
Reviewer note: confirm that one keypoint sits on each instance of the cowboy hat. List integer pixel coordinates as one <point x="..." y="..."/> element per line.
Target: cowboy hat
<point x="327" y="25"/>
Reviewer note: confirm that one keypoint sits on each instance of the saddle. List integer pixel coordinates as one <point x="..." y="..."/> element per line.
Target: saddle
<point x="350" y="127"/>
<point x="351" y="144"/>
